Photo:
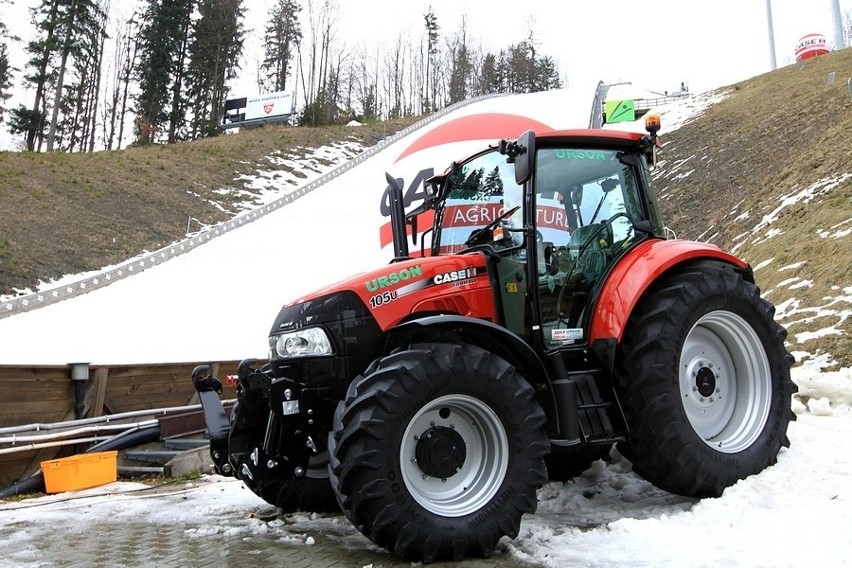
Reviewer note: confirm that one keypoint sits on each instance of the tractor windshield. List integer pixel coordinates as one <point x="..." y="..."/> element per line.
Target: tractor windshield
<point x="482" y="206"/>
<point x="579" y="191"/>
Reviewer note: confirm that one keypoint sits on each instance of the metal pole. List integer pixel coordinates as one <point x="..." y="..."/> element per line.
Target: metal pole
<point x="839" y="39"/>
<point x="80" y="376"/>
<point x="771" y="34"/>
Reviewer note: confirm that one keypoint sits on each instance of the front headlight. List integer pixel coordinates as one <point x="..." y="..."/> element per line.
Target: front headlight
<point x="306" y="342"/>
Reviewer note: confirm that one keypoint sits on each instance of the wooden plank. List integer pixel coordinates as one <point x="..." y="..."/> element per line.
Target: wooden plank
<point x="35" y="406"/>
<point x="33" y="371"/>
<point x="34" y="380"/>
<point x="46" y="393"/>
<point x="31" y="412"/>
<point x="35" y="394"/>
<point x="101" y="379"/>
<point x="22" y="465"/>
<point x="15" y="467"/>
<point x="175" y="371"/>
<point x="19" y="465"/>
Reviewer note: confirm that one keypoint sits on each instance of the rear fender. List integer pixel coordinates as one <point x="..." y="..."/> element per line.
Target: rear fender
<point x="640" y="268"/>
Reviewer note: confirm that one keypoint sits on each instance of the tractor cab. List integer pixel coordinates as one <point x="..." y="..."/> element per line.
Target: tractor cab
<point x="553" y="213"/>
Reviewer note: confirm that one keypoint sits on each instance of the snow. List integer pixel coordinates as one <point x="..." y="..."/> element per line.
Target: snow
<point x="797" y="513"/>
<point x="321" y="237"/>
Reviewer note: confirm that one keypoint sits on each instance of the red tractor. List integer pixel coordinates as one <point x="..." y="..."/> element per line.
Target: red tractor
<point x="548" y="319"/>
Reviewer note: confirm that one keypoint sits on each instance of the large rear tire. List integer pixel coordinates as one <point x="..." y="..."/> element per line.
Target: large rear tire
<point x="705" y="382"/>
<point x="437" y="451"/>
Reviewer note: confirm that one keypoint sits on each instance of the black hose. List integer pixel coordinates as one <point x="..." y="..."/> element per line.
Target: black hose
<point x="127" y="439"/>
<point x="35" y="482"/>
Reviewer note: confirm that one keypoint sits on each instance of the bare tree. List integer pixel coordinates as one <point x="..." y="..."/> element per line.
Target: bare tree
<point x="115" y="106"/>
<point x="315" y="60"/>
<point x="394" y="67"/>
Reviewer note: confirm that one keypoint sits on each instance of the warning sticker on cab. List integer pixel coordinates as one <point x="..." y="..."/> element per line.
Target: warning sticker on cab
<point x="570" y="334"/>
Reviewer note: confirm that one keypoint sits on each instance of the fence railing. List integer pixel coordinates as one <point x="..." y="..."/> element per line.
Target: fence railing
<point x="100" y="279"/>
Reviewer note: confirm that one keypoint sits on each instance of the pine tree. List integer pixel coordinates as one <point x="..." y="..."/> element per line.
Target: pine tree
<point x="547" y="74"/>
<point x="78" y="26"/>
<point x="216" y="43"/>
<point x="177" y="116"/>
<point x="283" y="36"/>
<point x="493" y="183"/>
<point x="81" y="100"/>
<point x="161" y="53"/>
<point x="65" y="30"/>
<point x="490" y="79"/>
<point x="431" y="87"/>
<point x="461" y="65"/>
<point x="31" y="121"/>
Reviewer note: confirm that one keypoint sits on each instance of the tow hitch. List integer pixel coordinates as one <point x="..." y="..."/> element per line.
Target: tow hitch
<point x="218" y="425"/>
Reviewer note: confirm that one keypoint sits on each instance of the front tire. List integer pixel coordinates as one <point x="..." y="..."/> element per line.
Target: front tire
<point x="437" y="451"/>
<point x="311" y="493"/>
<point x="705" y="381"/>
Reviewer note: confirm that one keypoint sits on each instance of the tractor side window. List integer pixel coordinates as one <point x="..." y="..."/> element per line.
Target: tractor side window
<point x="587" y="204"/>
<point x="483" y="206"/>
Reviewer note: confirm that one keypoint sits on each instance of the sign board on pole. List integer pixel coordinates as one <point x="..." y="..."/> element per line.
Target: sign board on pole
<point x="620" y="111"/>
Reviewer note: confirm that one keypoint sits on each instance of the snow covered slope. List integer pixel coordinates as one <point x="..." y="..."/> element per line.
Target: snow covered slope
<point x="217" y="301"/>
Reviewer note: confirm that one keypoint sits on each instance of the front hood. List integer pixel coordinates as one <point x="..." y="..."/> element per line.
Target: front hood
<point x="408" y="275"/>
<point x="397" y="289"/>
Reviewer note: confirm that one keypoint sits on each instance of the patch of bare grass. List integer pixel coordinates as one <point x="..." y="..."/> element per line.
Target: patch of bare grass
<point x="70" y="213"/>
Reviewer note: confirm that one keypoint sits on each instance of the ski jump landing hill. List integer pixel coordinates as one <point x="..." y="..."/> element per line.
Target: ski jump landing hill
<point x="214" y="297"/>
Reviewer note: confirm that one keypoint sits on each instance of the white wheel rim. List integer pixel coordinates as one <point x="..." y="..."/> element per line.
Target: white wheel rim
<point x="483" y="470"/>
<point x="725" y="381"/>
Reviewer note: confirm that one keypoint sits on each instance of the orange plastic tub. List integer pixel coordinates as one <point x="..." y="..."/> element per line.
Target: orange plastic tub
<point x="79" y="472"/>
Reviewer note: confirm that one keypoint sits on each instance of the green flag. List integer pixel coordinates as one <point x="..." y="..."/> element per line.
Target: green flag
<point x="620" y="111"/>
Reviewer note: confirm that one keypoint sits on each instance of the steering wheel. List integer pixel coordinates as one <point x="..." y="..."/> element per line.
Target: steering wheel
<point x="474" y="236"/>
<point x="577" y="278"/>
<point x="599" y="230"/>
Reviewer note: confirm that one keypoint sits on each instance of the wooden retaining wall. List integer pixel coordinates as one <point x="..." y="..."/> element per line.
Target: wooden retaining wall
<point x="45" y="394"/>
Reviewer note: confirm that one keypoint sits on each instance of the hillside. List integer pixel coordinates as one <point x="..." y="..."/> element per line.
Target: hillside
<point x="72" y="213"/>
<point x="766" y="172"/>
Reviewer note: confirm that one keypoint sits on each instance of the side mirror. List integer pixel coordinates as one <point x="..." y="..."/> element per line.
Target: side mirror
<point x="609" y="184"/>
<point x="525" y="156"/>
<point x="576" y="195"/>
